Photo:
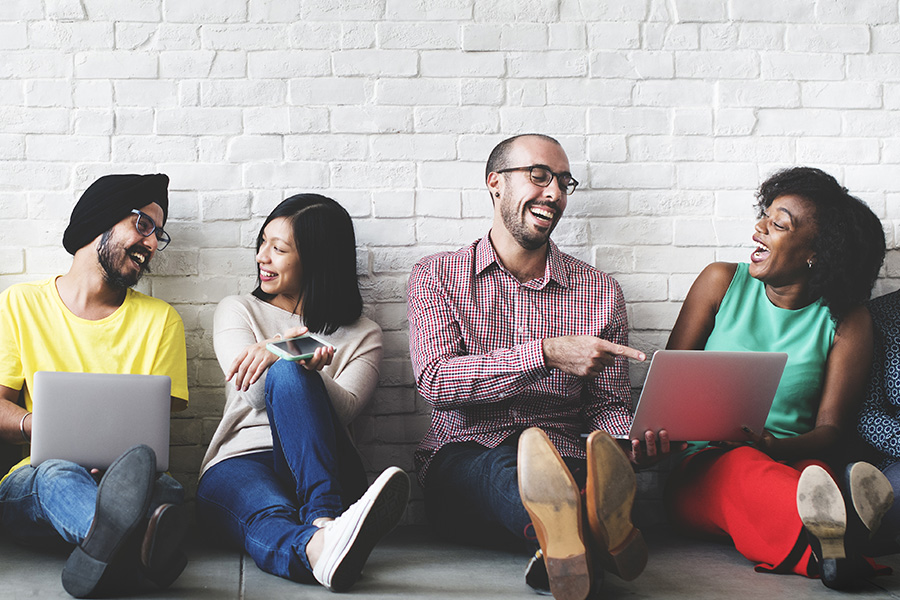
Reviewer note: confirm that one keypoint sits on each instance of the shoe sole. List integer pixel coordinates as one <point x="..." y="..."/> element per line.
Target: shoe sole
<point x="821" y="509"/>
<point x="123" y="498"/>
<point x="611" y="487"/>
<point x="871" y="494"/>
<point x="382" y="517"/>
<point x="553" y="502"/>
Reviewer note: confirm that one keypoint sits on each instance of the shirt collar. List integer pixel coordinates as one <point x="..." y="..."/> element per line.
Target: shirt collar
<point x="485" y="256"/>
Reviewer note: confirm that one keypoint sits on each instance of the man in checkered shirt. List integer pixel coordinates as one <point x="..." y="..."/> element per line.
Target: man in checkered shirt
<point x="522" y="350"/>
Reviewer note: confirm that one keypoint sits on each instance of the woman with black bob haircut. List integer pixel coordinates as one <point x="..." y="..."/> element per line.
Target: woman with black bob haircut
<point x="282" y="479"/>
<point x="323" y="233"/>
<point x="777" y="495"/>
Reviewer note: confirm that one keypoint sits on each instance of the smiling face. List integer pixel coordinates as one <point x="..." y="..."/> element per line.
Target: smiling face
<point x="280" y="268"/>
<point x="529" y="212"/>
<point x="784" y="237"/>
<point x="123" y="253"/>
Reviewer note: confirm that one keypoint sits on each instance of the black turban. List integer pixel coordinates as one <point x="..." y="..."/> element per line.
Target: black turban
<point x="109" y="200"/>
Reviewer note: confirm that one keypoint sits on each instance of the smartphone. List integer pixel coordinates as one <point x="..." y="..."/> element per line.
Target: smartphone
<point x="298" y="348"/>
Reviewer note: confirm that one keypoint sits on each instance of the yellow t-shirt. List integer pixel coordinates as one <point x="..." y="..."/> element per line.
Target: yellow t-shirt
<point x="39" y="333"/>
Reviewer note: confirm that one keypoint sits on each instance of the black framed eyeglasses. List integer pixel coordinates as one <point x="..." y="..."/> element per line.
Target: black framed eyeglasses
<point x="542" y="175"/>
<point x="146" y="226"/>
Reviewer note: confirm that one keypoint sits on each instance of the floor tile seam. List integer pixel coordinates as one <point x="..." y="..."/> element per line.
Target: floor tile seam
<point x="242" y="564"/>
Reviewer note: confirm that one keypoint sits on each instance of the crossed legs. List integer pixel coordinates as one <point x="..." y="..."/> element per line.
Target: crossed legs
<point x="273" y="503"/>
<point x="127" y="529"/>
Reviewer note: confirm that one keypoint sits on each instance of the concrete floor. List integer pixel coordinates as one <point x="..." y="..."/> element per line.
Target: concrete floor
<point x="411" y="564"/>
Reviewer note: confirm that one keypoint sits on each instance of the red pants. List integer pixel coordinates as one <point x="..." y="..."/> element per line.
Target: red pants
<point x="749" y="497"/>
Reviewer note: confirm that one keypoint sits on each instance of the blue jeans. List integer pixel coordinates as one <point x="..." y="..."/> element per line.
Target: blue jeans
<point x="887" y="539"/>
<point x="52" y="505"/>
<point x="472" y="494"/>
<point x="266" y="502"/>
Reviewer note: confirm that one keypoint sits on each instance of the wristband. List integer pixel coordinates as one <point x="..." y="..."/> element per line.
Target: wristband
<point x="25" y="437"/>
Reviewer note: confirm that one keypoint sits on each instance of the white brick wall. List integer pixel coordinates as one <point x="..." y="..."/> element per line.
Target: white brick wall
<point x="672" y="113"/>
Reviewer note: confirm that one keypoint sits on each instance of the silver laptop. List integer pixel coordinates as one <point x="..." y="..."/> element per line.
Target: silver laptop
<point x="92" y="418"/>
<point x="699" y="395"/>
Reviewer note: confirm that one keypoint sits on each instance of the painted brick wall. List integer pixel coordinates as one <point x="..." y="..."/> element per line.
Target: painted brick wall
<point x="671" y="112"/>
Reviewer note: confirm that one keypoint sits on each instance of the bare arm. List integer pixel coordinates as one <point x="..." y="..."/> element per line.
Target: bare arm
<point x="11" y="415"/>
<point x="698" y="313"/>
<point x="692" y="328"/>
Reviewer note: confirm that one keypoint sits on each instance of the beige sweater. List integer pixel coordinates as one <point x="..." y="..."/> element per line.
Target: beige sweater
<point x="350" y="379"/>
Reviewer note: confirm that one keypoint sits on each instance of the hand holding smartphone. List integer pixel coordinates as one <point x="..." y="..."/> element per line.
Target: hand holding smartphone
<point x="298" y="348"/>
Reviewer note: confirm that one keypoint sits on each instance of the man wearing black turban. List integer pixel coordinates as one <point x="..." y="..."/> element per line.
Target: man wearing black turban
<point x="127" y="530"/>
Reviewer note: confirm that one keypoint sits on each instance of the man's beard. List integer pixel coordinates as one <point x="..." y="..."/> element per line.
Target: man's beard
<point x="515" y="223"/>
<point x="113" y="276"/>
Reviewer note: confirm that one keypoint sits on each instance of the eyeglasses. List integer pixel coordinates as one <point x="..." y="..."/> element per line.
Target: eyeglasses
<point x="542" y="176"/>
<point x="147" y="226"/>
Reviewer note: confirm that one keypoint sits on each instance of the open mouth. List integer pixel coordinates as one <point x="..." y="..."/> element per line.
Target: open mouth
<point x="266" y="275"/>
<point x="543" y="215"/>
<point x="139" y="258"/>
<point x="761" y="252"/>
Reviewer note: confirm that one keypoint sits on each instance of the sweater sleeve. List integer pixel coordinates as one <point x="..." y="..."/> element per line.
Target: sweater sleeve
<point x="233" y="331"/>
<point x="351" y="388"/>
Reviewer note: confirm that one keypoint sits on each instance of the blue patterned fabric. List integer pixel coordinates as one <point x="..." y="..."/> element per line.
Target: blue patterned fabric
<point x="879" y="418"/>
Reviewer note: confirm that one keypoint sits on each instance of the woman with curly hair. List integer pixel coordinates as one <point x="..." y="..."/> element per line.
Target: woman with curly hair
<point x="818" y="252"/>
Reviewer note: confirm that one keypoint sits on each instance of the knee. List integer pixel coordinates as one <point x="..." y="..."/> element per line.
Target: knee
<point x="742" y="453"/>
<point x="298" y="383"/>
<point x="285" y="372"/>
<point x="56" y="468"/>
<point x="60" y="476"/>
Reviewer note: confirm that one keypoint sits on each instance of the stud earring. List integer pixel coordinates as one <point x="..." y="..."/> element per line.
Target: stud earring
<point x="809" y="263"/>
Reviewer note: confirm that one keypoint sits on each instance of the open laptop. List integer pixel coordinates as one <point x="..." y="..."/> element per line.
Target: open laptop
<point x="92" y="418"/>
<point x="699" y="395"/>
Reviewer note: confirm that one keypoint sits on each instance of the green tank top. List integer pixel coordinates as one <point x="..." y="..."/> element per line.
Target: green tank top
<point x="748" y="321"/>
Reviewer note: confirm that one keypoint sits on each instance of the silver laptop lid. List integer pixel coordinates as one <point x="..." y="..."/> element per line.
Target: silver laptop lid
<point x="92" y="418"/>
<point x="699" y="395"/>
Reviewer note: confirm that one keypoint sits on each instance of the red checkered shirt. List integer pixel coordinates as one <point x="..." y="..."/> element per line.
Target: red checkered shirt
<point x="475" y="342"/>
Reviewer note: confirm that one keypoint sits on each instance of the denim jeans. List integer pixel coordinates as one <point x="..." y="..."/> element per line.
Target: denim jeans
<point x="887" y="539"/>
<point x="472" y="494"/>
<point x="266" y="502"/>
<point x="52" y="505"/>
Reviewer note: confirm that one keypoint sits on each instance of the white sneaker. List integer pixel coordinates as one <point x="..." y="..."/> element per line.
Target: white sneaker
<point x="350" y="538"/>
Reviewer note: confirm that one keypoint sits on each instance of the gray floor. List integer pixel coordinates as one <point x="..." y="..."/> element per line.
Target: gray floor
<point x="410" y="564"/>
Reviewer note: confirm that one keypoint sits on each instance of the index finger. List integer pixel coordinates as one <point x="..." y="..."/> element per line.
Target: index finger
<point x="620" y="350"/>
